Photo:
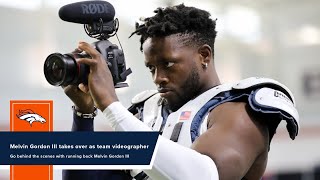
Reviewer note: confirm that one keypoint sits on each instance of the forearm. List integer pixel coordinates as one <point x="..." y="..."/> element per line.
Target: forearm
<point x="172" y="160"/>
<point x="82" y="124"/>
<point x="86" y="124"/>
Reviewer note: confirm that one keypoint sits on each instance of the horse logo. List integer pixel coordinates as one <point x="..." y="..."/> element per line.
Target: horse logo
<point x="30" y="116"/>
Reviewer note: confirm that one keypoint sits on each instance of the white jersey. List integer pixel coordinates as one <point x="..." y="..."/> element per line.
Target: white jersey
<point x="190" y="121"/>
<point x="185" y="115"/>
<point x="278" y="97"/>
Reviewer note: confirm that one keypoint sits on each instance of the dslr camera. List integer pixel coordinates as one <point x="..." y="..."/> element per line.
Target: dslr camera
<point x="98" y="20"/>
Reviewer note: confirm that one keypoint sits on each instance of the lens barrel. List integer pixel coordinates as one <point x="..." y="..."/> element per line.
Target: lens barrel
<point x="62" y="69"/>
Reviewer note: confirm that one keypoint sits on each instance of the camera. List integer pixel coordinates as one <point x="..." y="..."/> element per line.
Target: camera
<point x="63" y="69"/>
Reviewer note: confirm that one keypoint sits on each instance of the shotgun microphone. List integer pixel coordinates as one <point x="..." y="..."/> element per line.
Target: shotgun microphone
<point x="87" y="12"/>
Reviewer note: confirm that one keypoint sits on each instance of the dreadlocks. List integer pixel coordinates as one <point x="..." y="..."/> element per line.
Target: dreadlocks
<point x="192" y="24"/>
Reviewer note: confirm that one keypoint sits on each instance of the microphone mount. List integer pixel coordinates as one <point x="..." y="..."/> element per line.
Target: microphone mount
<point x="102" y="30"/>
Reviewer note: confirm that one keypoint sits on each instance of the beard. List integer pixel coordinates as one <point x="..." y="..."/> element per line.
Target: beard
<point x="188" y="90"/>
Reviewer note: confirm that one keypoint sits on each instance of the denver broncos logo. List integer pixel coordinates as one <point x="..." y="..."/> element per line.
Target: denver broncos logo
<point x="30" y="116"/>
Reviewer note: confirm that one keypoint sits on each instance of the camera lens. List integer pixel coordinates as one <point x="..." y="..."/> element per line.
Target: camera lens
<point x="60" y="69"/>
<point x="57" y="69"/>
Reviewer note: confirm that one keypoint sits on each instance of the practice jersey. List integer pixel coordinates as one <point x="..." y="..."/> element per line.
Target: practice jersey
<point x="183" y="126"/>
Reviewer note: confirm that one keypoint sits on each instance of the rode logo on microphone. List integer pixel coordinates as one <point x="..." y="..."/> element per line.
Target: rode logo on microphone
<point x="94" y="8"/>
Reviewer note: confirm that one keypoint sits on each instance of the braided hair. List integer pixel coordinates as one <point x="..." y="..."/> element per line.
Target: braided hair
<point x="192" y="24"/>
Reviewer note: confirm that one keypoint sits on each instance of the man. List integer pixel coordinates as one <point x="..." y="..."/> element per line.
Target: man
<point x="209" y="130"/>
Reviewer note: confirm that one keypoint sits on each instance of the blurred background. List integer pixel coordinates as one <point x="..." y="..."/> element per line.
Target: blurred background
<point x="270" y="38"/>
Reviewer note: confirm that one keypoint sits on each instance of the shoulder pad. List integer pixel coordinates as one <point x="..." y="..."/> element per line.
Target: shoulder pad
<point x="271" y="101"/>
<point x="142" y="96"/>
<point x="263" y="82"/>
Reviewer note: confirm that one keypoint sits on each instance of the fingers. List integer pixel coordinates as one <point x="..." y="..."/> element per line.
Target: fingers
<point x="89" y="50"/>
<point x="77" y="50"/>
<point x="83" y="88"/>
<point x="72" y="89"/>
<point x="69" y="87"/>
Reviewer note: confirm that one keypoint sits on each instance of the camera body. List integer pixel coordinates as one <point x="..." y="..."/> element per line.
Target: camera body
<point x="63" y="70"/>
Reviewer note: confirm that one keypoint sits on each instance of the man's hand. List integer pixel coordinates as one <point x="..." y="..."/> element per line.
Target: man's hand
<point x="81" y="97"/>
<point x="100" y="81"/>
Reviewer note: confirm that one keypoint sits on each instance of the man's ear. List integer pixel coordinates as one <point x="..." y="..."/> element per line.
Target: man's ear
<point x="205" y="52"/>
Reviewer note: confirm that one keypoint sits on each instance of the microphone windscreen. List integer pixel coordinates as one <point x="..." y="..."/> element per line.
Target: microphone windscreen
<point x="87" y="12"/>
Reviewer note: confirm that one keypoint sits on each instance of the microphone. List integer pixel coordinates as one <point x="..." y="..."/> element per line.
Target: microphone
<point x="87" y="12"/>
